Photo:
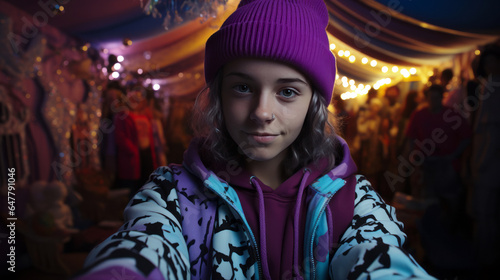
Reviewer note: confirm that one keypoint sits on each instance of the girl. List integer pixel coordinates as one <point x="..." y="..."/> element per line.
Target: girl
<point x="266" y="189"/>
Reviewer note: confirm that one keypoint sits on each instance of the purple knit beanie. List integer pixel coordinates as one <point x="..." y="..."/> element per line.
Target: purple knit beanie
<point x="288" y="31"/>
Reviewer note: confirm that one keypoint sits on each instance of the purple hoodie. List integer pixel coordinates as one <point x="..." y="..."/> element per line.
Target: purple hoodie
<point x="275" y="211"/>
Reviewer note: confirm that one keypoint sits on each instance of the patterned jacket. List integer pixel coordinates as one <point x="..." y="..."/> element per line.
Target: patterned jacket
<point x="186" y="223"/>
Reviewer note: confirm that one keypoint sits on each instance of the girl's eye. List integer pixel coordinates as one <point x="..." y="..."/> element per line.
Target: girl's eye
<point x="288" y="93"/>
<point x="242" y="88"/>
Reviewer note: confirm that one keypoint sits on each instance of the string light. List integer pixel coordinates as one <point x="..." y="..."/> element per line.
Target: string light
<point x="385" y="69"/>
<point x="405" y="73"/>
<point x="395" y="69"/>
<point x="352" y="58"/>
<point x="364" y="60"/>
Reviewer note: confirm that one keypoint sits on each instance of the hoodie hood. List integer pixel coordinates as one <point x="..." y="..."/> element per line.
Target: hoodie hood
<point x="192" y="161"/>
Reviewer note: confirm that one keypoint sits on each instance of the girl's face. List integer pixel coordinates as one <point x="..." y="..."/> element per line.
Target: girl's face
<point x="264" y="105"/>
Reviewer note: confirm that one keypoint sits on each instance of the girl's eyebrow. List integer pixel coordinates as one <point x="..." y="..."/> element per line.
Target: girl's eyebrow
<point x="241" y="75"/>
<point x="279" y="81"/>
<point x="291" y="80"/>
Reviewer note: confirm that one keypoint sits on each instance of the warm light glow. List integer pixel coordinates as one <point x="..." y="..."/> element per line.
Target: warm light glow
<point x="373" y="63"/>
<point x="341" y="53"/>
<point x="405" y="73"/>
<point x="353" y="87"/>
<point x="361" y="86"/>
<point x="477" y="52"/>
<point x="352" y="58"/>
<point x="120" y="58"/>
<point x="364" y="60"/>
<point x="337" y="76"/>
<point x="156" y="86"/>
<point x="332" y="46"/>
<point x="115" y="75"/>
<point x="347" y="53"/>
<point x="385" y="69"/>
<point x="117" y="66"/>
<point x="351" y="82"/>
<point x="376" y="86"/>
<point x="344" y="79"/>
<point x="140" y="71"/>
<point x="345" y="84"/>
<point x="395" y="69"/>
<point x="413" y="71"/>
<point x="388" y="80"/>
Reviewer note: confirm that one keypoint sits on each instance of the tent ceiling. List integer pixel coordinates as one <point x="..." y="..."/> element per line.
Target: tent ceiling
<point x="393" y="32"/>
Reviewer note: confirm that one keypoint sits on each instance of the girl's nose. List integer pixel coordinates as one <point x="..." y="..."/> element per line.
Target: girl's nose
<point x="263" y="108"/>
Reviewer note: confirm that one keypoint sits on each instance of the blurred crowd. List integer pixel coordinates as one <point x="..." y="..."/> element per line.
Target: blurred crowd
<point x="439" y="146"/>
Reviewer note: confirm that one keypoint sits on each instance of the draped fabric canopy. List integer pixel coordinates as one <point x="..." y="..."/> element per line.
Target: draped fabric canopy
<point x="406" y="33"/>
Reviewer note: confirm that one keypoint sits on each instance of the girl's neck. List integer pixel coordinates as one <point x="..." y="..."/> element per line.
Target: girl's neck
<point x="270" y="172"/>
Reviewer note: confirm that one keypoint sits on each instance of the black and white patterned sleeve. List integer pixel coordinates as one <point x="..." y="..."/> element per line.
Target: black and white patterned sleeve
<point x="371" y="247"/>
<point x="150" y="242"/>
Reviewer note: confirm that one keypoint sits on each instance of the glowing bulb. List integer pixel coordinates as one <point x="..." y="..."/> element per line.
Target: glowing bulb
<point x="364" y="60"/>
<point x="344" y="79"/>
<point x="385" y="69"/>
<point x="477" y="52"/>
<point x="405" y="73"/>
<point x="347" y="53"/>
<point x="115" y="75"/>
<point x="332" y="47"/>
<point x="140" y="71"/>
<point x="117" y="66"/>
<point x="413" y="71"/>
<point x="345" y="84"/>
<point x="156" y="86"/>
<point x="387" y="80"/>
<point x="361" y="86"/>
<point x="337" y="76"/>
<point x="395" y="69"/>
<point x="376" y="86"/>
<point x="352" y="58"/>
<point x="373" y="63"/>
<point x="351" y="82"/>
<point x="341" y="53"/>
<point x="120" y="58"/>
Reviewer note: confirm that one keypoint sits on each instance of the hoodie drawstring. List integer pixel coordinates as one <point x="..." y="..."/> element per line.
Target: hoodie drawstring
<point x="262" y="228"/>
<point x="296" y="217"/>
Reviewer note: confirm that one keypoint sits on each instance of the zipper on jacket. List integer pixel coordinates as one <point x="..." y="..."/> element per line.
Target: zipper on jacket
<point x="311" y="247"/>
<point x="248" y="230"/>
<point x="252" y="240"/>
